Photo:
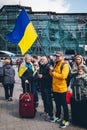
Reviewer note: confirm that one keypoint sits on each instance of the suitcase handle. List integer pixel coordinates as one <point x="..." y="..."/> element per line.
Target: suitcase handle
<point x="24" y="96"/>
<point x="29" y="85"/>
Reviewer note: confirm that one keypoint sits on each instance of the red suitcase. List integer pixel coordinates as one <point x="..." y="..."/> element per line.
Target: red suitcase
<point x="26" y="105"/>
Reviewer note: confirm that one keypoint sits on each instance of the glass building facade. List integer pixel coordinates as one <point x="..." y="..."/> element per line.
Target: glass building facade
<point x="56" y="32"/>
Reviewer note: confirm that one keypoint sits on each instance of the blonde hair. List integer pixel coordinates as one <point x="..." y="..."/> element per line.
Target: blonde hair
<point x="75" y="65"/>
<point x="79" y="56"/>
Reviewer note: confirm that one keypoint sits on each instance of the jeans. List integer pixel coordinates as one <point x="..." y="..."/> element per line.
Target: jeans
<point x="47" y="100"/>
<point x="34" y="91"/>
<point x="60" y="100"/>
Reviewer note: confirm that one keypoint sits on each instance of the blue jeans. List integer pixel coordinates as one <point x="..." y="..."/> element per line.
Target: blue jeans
<point x="34" y="90"/>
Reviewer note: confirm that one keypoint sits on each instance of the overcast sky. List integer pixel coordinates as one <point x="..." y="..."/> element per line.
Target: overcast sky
<point x="58" y="6"/>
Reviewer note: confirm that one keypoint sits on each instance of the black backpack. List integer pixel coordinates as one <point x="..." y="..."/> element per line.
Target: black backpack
<point x="69" y="75"/>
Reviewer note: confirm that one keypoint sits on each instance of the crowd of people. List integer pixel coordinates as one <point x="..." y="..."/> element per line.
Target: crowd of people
<point x="44" y="74"/>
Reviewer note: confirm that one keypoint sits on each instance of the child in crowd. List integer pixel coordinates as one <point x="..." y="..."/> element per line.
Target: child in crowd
<point x="79" y="83"/>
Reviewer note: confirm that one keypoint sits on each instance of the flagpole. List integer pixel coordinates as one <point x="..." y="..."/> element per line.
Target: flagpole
<point x="19" y="2"/>
<point x="42" y="47"/>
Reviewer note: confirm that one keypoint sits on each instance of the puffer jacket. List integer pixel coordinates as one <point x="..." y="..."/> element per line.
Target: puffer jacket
<point x="59" y="78"/>
<point x="9" y="75"/>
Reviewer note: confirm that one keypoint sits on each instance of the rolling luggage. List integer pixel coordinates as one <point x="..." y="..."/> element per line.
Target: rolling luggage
<point x="27" y="105"/>
<point x="78" y="110"/>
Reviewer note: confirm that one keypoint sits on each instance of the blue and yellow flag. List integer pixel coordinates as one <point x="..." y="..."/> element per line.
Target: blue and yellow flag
<point x="22" y="70"/>
<point x="24" y="33"/>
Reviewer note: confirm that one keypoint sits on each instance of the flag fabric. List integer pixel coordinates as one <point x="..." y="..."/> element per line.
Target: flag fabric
<point x="22" y="70"/>
<point x="24" y="33"/>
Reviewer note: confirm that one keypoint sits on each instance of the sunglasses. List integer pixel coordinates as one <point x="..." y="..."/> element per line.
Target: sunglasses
<point x="57" y="56"/>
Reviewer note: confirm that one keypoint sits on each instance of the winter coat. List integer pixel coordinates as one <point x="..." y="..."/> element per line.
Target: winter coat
<point x="28" y="74"/>
<point x="59" y="78"/>
<point x="9" y="75"/>
<point x="79" y="82"/>
<point x="46" y="80"/>
<point x="74" y="69"/>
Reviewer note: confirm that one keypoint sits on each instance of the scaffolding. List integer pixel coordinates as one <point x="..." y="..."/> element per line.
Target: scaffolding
<point x="56" y="32"/>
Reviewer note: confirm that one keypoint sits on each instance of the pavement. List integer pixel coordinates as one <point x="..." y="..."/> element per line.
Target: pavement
<point x="9" y="113"/>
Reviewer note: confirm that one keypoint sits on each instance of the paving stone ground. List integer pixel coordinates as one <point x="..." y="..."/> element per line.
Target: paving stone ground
<point x="9" y="114"/>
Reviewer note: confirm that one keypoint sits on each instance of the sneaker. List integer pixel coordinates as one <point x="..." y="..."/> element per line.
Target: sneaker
<point x="49" y="119"/>
<point x="10" y="99"/>
<point x="43" y="114"/>
<point x="64" y="124"/>
<point x="56" y="119"/>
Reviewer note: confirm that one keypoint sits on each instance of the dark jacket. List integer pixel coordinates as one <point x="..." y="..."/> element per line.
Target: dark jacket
<point x="46" y="80"/>
<point x="81" y="83"/>
<point x="9" y="74"/>
<point x="28" y="75"/>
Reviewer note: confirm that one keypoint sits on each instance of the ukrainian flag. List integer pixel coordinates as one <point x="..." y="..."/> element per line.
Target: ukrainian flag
<point x="24" y="33"/>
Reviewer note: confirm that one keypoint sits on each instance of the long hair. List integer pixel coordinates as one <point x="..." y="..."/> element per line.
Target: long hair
<point x="75" y="65"/>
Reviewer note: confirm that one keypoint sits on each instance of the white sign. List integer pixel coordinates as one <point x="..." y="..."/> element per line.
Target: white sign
<point x="85" y="47"/>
